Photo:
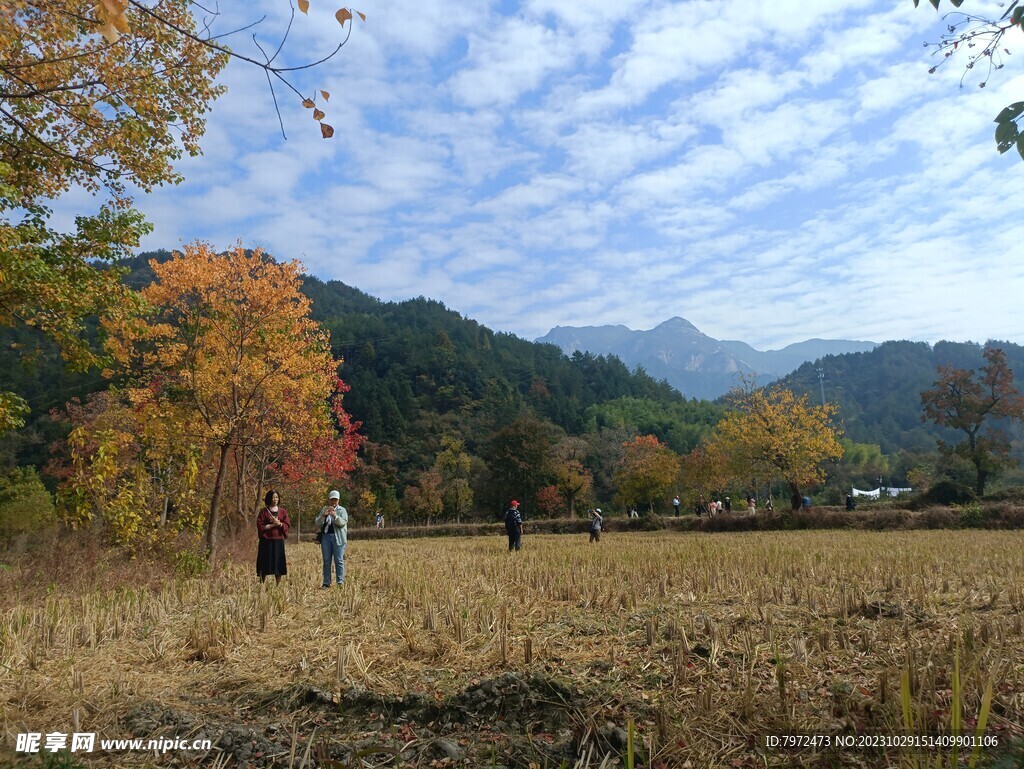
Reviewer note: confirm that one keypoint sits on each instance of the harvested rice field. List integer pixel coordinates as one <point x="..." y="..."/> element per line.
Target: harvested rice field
<point x="653" y="649"/>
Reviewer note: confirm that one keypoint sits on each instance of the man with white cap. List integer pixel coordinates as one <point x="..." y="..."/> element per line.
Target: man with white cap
<point x="596" y="522"/>
<point x="332" y="523"/>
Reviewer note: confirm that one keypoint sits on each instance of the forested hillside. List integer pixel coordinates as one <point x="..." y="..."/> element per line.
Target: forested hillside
<point x="879" y="399"/>
<point x="459" y="419"/>
<point x="879" y="392"/>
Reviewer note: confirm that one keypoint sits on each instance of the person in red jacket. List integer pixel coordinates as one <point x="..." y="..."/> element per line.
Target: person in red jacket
<point x="272" y="525"/>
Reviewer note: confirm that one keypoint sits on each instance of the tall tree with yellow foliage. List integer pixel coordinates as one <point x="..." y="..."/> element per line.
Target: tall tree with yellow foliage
<point x="774" y="433"/>
<point x="646" y="473"/>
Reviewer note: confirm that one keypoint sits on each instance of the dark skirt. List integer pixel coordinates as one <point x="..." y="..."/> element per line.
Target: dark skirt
<point x="270" y="558"/>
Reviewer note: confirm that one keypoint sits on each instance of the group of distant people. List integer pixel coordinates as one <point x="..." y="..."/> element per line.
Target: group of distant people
<point x="717" y="506"/>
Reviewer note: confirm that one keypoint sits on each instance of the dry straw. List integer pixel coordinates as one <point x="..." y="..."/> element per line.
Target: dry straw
<point x="696" y="645"/>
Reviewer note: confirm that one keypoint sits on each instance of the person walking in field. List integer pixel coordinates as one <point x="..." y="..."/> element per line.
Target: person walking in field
<point x="751" y="505"/>
<point x="596" y="522"/>
<point x="514" y="526"/>
<point x="380" y="520"/>
<point x="272" y="525"/>
<point x="332" y="523"/>
<point x="675" y="504"/>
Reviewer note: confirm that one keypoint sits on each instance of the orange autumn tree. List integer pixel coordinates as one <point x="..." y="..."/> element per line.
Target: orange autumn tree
<point x="646" y="473"/>
<point x="227" y="349"/>
<point x="970" y="402"/>
<point x="774" y="433"/>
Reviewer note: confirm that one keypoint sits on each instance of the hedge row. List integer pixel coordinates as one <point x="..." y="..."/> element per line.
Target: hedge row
<point x="1000" y="515"/>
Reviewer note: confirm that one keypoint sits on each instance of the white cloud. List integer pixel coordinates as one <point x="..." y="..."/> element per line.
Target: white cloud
<point x="772" y="171"/>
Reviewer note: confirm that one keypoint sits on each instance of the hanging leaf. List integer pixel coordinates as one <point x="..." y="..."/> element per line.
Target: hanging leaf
<point x="121" y="24"/>
<point x="343" y="15"/>
<point x="308" y="103"/>
<point x="1006" y="136"/>
<point x="109" y="32"/>
<point x="327" y="96"/>
<point x="326" y="131"/>
<point x="361" y="15"/>
<point x="318" y="115"/>
<point x="304" y="6"/>
<point x="1010" y="113"/>
<point x="114" y="7"/>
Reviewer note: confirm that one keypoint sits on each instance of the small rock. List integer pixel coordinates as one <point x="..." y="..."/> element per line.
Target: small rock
<point x="449" y="748"/>
<point x="618" y="737"/>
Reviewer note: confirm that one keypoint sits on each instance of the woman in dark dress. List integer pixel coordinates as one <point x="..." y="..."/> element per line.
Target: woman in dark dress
<point x="272" y="524"/>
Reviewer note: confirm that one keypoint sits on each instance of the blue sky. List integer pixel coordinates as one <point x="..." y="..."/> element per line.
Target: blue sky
<point x="770" y="170"/>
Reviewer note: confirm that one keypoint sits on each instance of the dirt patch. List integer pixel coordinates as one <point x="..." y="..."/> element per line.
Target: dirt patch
<point x="510" y="720"/>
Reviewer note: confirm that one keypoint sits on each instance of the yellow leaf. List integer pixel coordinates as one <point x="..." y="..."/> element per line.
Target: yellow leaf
<point x="308" y="103"/>
<point x="343" y="15"/>
<point x="121" y="24"/>
<point x="361" y="15"/>
<point x="304" y="6"/>
<point x="114" y="7"/>
<point x="327" y="96"/>
<point x="326" y="131"/>
<point x="318" y="115"/>
<point x="109" y="32"/>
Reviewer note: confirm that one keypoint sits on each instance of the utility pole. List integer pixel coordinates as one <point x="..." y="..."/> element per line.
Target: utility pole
<point x="821" y="381"/>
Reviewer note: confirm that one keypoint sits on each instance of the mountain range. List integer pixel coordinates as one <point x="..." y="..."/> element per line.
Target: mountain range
<point x="694" y="363"/>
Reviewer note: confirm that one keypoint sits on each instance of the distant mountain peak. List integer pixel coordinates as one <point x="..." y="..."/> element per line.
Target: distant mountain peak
<point x="693" y="362"/>
<point x="676" y="324"/>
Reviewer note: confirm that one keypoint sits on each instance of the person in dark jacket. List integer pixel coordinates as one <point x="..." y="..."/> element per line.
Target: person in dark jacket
<point x="514" y="526"/>
<point x="272" y="525"/>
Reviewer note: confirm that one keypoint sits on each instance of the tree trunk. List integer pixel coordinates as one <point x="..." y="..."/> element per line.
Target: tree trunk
<point x="239" y="471"/>
<point x="796" y="500"/>
<point x="572" y="506"/>
<point x="262" y="481"/>
<point x="982" y="479"/>
<point x="213" y="519"/>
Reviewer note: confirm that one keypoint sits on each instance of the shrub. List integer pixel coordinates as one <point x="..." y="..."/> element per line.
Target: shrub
<point x="189" y="563"/>
<point x="939" y="518"/>
<point x="944" y="493"/>
<point x="1012" y="494"/>
<point x="25" y="504"/>
<point x="972" y="516"/>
